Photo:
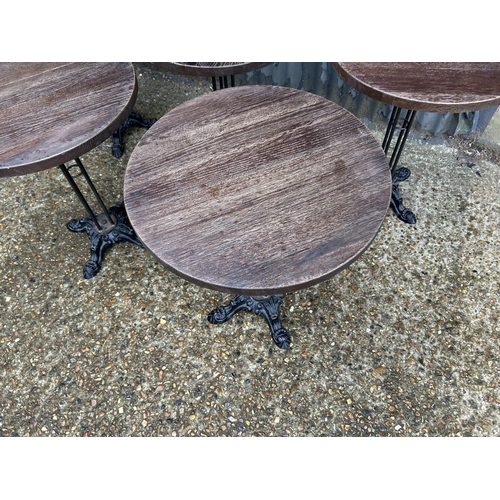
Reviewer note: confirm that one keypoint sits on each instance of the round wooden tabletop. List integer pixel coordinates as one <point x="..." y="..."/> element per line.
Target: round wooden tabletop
<point x="211" y="68"/>
<point x="53" y="113"/>
<point x="257" y="190"/>
<point x="445" y="87"/>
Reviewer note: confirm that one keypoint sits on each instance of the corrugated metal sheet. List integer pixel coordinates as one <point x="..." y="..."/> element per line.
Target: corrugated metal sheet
<point x="322" y="79"/>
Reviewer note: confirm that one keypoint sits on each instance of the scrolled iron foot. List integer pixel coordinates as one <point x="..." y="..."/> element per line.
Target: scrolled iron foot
<point x="267" y="308"/>
<point x="403" y="213"/>
<point x="100" y="241"/>
<point x="133" y="120"/>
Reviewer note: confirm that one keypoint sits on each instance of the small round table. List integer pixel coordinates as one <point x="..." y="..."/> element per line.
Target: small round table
<point x="442" y="87"/>
<point x="214" y="70"/>
<point x="52" y="113"/>
<point x="257" y="191"/>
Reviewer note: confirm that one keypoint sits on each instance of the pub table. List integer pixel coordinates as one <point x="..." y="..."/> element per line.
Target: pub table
<point x="257" y="191"/>
<point x="52" y="113"/>
<point x="215" y="70"/>
<point x="441" y="87"/>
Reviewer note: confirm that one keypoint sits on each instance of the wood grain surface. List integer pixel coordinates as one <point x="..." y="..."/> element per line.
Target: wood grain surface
<point x="52" y="113"/>
<point x="211" y="68"/>
<point x="257" y="189"/>
<point x="426" y="86"/>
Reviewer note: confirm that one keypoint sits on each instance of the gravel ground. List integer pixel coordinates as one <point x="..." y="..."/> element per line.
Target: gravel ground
<point x="405" y="342"/>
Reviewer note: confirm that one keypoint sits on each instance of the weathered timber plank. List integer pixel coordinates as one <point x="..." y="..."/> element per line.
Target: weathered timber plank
<point x="257" y="189"/>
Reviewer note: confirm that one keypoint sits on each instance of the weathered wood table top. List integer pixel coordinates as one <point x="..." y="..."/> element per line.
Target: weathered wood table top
<point x="257" y="189"/>
<point x="211" y="68"/>
<point x="443" y="87"/>
<point x="52" y="113"/>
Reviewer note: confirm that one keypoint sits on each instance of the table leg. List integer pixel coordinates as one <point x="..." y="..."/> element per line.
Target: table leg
<point x="110" y="227"/>
<point x="134" y="119"/>
<point x="223" y="83"/>
<point x="266" y="307"/>
<point x="399" y="175"/>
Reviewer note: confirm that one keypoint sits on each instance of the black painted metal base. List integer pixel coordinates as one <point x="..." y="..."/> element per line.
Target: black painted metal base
<point x="134" y="120"/>
<point x="401" y="174"/>
<point x="266" y="307"/>
<point x="101" y="239"/>
<point x="223" y="82"/>
<point x="403" y="213"/>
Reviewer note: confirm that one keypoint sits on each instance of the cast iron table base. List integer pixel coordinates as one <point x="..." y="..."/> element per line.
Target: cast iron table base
<point x="266" y="307"/>
<point x="107" y="235"/>
<point x="110" y="227"/>
<point x="134" y="120"/>
<point x="399" y="175"/>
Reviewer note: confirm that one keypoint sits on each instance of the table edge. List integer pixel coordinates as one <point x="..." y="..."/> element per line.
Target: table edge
<point x="208" y="71"/>
<point x="408" y="103"/>
<point x="264" y="291"/>
<point x="81" y="149"/>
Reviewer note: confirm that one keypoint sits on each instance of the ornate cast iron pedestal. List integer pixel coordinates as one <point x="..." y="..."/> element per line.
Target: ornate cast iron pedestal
<point x="399" y="175"/>
<point x="104" y="236"/>
<point x="266" y="307"/>
<point x="110" y="227"/>
<point x="134" y="120"/>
